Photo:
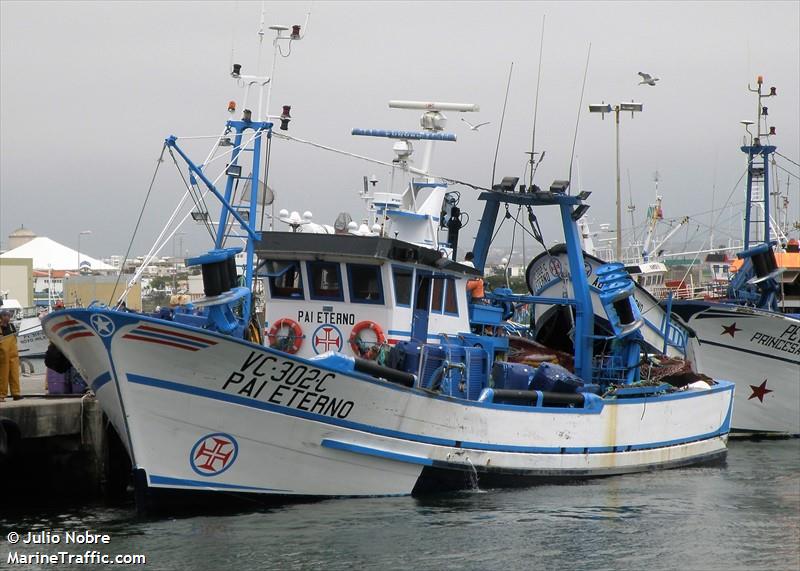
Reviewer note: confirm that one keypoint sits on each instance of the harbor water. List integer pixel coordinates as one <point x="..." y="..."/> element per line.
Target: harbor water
<point x="743" y="513"/>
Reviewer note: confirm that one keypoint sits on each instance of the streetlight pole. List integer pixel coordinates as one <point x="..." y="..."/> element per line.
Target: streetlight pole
<point x="619" y="194"/>
<point x="81" y="233"/>
<point x="603" y="109"/>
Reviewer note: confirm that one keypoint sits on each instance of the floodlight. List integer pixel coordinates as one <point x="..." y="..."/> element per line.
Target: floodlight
<point x="579" y="212"/>
<point x="559" y="186"/>
<point x="631" y="106"/>
<point x="584" y="194"/>
<point x="508" y="184"/>
<point x="600" y="108"/>
<point x="234" y="170"/>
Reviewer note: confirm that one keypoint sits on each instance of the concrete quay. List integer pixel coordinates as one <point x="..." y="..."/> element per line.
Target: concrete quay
<point x="58" y="443"/>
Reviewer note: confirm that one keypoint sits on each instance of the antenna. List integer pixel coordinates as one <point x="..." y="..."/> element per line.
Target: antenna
<point x="536" y="105"/>
<point x="502" y="118"/>
<point x="578" y="120"/>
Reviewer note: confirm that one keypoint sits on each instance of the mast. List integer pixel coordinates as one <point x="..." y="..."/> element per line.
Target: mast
<point x="757" y="227"/>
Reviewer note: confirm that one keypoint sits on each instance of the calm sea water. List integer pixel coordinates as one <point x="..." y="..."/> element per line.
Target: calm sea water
<point x="743" y="514"/>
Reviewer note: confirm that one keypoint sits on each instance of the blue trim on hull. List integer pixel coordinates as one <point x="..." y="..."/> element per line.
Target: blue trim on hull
<point x="368" y="451"/>
<point x="750" y="351"/>
<point x="375" y="430"/>
<point x="101" y="380"/>
<point x="156" y="480"/>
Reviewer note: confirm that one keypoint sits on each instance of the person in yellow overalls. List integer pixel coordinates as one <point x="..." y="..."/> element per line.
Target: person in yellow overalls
<point x="9" y="357"/>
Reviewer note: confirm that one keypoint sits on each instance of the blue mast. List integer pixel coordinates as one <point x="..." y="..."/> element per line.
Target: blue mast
<point x="758" y="157"/>
<point x="571" y="208"/>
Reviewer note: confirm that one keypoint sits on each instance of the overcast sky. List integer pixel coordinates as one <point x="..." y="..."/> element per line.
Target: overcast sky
<point x="89" y="90"/>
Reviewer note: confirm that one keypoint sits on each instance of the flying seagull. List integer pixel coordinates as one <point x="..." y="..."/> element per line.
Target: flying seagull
<point x="475" y="127"/>
<point x="648" y="79"/>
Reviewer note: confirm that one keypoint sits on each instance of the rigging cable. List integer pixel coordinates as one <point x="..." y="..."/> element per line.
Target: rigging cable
<point x="379" y="162"/>
<point x="190" y="189"/>
<point x="136" y="228"/>
<point x="787" y="158"/>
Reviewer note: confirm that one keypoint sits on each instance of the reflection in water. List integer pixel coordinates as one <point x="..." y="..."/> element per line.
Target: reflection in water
<point x="743" y="515"/>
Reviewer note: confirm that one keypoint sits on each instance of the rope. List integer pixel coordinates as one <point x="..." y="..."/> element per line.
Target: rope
<point x="138" y="221"/>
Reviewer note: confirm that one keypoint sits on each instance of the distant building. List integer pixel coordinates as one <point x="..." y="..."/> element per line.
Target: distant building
<point x="48" y="254"/>
<point x="15" y="280"/>
<point x="19" y="237"/>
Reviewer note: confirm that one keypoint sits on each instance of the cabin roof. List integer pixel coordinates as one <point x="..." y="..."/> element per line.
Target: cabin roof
<point x="291" y="245"/>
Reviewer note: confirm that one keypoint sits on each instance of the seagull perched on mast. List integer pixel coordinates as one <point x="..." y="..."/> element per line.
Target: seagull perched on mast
<point x="475" y="127"/>
<point x="648" y="79"/>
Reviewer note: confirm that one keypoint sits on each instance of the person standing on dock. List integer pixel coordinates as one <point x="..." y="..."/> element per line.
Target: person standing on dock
<point x="9" y="358"/>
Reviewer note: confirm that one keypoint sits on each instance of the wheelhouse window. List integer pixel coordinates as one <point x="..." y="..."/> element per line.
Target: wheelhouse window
<point x="444" y="296"/>
<point x="438" y="292"/>
<point x="285" y="280"/>
<point x="450" y="301"/>
<point x="423" y="293"/>
<point x="403" y="284"/>
<point x="365" y="282"/>
<point x="325" y="281"/>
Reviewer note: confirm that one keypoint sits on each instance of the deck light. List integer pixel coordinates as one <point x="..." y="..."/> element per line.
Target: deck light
<point x="584" y="194"/>
<point x="508" y="184"/>
<point x="247" y="115"/>
<point x="579" y="211"/>
<point x="559" y="186"/>
<point x="198" y="216"/>
<point x="234" y="170"/>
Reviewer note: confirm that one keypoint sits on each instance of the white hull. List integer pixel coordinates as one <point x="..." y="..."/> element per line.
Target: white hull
<point x="207" y="412"/>
<point x="757" y="350"/>
<point x="31" y="340"/>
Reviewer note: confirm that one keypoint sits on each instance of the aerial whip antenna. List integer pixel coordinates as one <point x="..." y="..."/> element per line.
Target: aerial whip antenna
<point x="578" y="120"/>
<point x="260" y="38"/>
<point x="536" y="107"/>
<point x="233" y="34"/>
<point x="502" y="118"/>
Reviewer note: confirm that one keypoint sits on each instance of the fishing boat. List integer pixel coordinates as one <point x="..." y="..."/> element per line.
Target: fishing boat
<point x="379" y="374"/>
<point x="743" y="338"/>
<point x="746" y="338"/>
<point x="31" y="340"/>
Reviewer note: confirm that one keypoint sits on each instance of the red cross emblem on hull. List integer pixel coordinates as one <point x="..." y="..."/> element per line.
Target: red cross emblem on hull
<point x="327" y="338"/>
<point x="213" y="454"/>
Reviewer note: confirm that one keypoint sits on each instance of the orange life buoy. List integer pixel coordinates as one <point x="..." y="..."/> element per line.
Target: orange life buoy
<point x="289" y="343"/>
<point x="359" y="347"/>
